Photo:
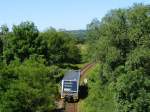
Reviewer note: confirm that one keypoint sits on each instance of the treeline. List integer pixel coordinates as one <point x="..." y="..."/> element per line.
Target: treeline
<point x="26" y="41"/>
<point x="120" y="43"/>
<point x="30" y="66"/>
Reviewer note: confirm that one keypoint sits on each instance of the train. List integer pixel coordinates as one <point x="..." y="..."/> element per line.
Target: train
<point x="70" y="85"/>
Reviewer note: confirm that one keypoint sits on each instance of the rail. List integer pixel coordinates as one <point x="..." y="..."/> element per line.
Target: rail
<point x="85" y="68"/>
<point x="72" y="107"/>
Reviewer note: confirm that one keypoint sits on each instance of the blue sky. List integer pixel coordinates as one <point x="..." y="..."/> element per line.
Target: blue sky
<point x="64" y="14"/>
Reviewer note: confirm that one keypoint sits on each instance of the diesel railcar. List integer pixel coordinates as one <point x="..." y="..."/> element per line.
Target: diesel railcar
<point x="70" y="85"/>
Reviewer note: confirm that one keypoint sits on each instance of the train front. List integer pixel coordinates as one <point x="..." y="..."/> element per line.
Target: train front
<point x="70" y="91"/>
<point x="70" y="86"/>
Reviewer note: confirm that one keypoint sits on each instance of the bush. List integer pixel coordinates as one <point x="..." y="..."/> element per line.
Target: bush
<point x="30" y="86"/>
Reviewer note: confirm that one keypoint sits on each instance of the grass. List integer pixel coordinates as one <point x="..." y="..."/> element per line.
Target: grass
<point x="81" y="65"/>
<point x="83" y="51"/>
<point x="72" y="66"/>
<point x="99" y="99"/>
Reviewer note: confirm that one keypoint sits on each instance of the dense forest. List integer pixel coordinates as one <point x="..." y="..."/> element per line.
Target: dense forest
<point x="120" y="43"/>
<point x="32" y="63"/>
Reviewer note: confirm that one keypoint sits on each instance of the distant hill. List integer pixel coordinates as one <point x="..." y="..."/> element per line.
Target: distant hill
<point x="79" y="34"/>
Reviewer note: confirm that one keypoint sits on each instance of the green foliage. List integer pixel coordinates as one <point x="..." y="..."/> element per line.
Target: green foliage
<point x="139" y="58"/>
<point x="1" y="47"/>
<point x="21" y="42"/>
<point x="4" y="29"/>
<point x="133" y="92"/>
<point x="61" y="47"/>
<point x="120" y="43"/>
<point x="26" y="41"/>
<point x="30" y="86"/>
<point x="100" y="98"/>
<point x="79" y="35"/>
<point x="29" y="76"/>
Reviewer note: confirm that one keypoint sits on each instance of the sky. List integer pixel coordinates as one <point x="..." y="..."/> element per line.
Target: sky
<point x="60" y="14"/>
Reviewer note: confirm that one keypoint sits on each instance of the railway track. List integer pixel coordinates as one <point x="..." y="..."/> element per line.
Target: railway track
<point x="85" y="68"/>
<point x="72" y="107"/>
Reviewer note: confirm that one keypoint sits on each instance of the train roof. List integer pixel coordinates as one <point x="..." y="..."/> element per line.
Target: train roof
<point x="72" y="75"/>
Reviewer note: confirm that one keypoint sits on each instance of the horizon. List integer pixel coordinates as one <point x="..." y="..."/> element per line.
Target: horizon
<point x="65" y="14"/>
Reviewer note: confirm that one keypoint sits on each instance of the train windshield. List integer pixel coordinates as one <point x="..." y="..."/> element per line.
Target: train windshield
<point x="70" y="86"/>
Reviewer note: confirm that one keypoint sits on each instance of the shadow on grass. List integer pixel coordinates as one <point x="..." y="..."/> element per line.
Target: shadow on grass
<point x="83" y="91"/>
<point x="58" y="110"/>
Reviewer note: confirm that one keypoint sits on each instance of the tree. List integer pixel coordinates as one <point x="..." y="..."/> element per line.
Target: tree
<point x="24" y="39"/>
<point x="122" y="48"/>
<point x="4" y="29"/>
<point x="30" y="86"/>
<point x="61" y="47"/>
<point x="1" y="47"/>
